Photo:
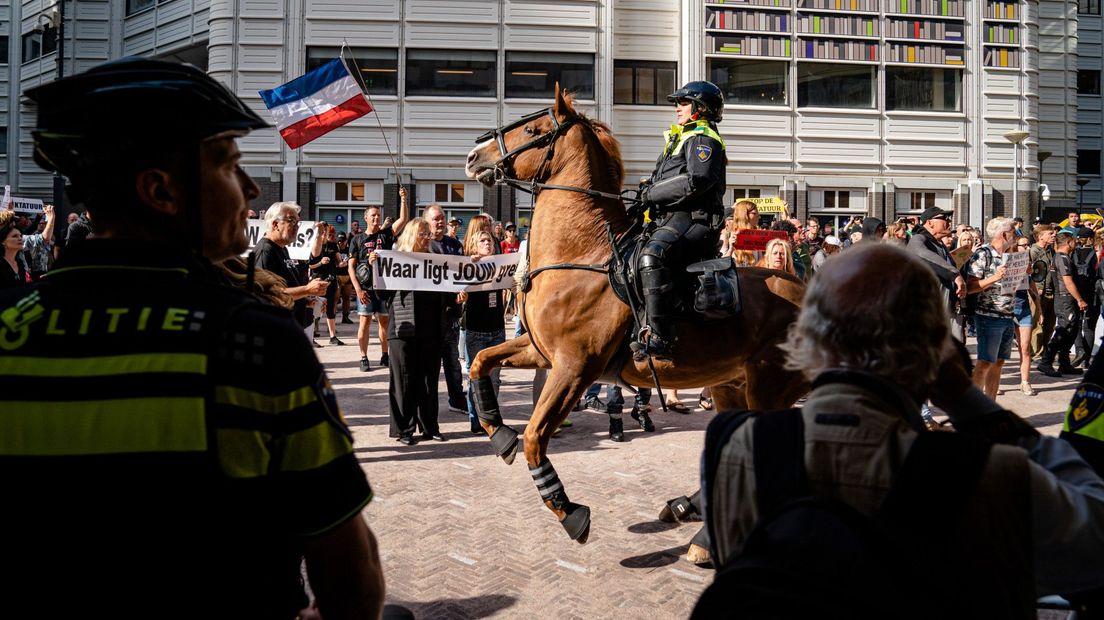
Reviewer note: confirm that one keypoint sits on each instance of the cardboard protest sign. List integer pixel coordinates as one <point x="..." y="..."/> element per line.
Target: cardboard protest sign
<point x="770" y="204"/>
<point x="756" y="240"/>
<point x="962" y="254"/>
<point x="415" y="271"/>
<point x="1015" y="272"/>
<point x="300" y="250"/>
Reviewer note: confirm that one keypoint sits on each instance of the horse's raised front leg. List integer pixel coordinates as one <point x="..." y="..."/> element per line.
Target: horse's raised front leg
<point x="516" y="353"/>
<point x="562" y="390"/>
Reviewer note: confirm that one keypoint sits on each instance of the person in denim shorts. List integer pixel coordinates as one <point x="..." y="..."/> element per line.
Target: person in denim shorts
<point x="1023" y="315"/>
<point x="993" y="318"/>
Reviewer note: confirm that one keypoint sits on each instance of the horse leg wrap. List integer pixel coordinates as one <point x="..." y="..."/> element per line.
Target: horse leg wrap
<point x="504" y="441"/>
<point x="486" y="403"/>
<point x="576" y="521"/>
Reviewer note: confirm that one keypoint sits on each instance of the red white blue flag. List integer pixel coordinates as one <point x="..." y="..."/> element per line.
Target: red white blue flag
<point x="316" y="103"/>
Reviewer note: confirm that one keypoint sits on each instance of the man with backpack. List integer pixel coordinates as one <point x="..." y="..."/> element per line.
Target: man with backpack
<point x="828" y="511"/>
<point x="1069" y="304"/>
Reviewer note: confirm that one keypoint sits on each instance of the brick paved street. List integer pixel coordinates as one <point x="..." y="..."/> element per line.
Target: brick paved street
<point x="462" y="535"/>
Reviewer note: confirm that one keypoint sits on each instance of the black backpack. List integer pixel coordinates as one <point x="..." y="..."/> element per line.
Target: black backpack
<point x="1084" y="271"/>
<point x="811" y="556"/>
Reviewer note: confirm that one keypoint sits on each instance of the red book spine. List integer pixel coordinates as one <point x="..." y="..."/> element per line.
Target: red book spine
<point x="916" y="29"/>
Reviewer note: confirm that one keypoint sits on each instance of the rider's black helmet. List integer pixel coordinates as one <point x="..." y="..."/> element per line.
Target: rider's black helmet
<point x="127" y="102"/>
<point x="708" y="100"/>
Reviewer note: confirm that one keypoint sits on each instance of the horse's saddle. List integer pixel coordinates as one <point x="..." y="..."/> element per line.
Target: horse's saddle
<point x="713" y="294"/>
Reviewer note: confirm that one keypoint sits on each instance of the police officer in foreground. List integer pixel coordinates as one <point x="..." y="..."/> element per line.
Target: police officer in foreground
<point x="686" y="191"/>
<point x="169" y="446"/>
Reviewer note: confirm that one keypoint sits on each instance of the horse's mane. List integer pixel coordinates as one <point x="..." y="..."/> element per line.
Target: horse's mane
<point x="607" y="141"/>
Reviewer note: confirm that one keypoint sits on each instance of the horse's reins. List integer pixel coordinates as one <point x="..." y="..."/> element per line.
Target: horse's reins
<point x="503" y="175"/>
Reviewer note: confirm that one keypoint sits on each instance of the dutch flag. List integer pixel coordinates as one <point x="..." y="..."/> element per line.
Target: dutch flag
<point x="316" y="103"/>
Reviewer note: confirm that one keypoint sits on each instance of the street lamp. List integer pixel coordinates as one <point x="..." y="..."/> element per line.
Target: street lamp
<point x="1081" y="183"/>
<point x="1015" y="137"/>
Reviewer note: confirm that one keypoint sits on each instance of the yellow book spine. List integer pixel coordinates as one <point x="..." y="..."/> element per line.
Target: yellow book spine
<point x="1004" y="58"/>
<point x="912" y="54"/>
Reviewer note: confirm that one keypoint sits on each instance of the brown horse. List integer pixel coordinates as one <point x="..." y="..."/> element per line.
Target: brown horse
<point x="575" y="322"/>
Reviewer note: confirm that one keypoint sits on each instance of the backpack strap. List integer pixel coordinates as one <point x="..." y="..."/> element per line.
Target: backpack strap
<point x="778" y="440"/>
<point x="937" y="478"/>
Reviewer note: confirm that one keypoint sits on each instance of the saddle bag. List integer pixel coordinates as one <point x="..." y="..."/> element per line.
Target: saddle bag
<point x="718" y="295"/>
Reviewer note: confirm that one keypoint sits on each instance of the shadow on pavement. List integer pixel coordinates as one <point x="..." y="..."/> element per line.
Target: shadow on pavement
<point x="655" y="559"/>
<point x="651" y="527"/>
<point x="473" y="607"/>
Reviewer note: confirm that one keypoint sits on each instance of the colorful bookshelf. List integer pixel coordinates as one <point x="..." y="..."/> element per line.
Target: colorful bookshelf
<point x="751" y="45"/>
<point x="832" y="49"/>
<point x="1001" y="35"/>
<point x="925" y="54"/>
<point x="925" y="32"/>
<point x="931" y="8"/>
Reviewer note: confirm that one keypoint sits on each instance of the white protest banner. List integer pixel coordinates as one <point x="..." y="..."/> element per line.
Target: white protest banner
<point x="414" y="271"/>
<point x="24" y="205"/>
<point x="300" y="250"/>
<point x="7" y="197"/>
<point x="1015" y="272"/>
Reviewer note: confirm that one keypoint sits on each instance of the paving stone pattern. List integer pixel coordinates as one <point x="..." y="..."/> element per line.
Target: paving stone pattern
<point x="462" y="535"/>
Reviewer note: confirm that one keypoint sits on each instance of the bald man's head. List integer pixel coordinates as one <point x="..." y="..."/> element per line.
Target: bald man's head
<point x="874" y="308"/>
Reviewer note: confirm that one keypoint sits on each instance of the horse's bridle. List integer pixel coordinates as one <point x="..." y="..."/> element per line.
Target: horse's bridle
<point x="503" y="167"/>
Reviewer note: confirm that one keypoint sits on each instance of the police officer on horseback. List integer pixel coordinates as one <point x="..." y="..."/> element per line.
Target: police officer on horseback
<point x="685" y="193"/>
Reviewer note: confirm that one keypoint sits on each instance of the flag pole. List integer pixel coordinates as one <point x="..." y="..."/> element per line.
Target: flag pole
<point x="358" y="78"/>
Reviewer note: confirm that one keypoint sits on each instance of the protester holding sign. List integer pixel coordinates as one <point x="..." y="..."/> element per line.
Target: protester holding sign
<point x="282" y="220"/>
<point x="745" y="217"/>
<point x="376" y="236"/>
<point x="482" y="320"/>
<point x="416" y="334"/>
<point x="993" y="315"/>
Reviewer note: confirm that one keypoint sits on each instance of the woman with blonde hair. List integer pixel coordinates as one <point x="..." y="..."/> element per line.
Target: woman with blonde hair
<point x="415" y="334"/>
<point x="479" y="223"/>
<point x="745" y="216"/>
<point x="483" y="321"/>
<point x="777" y="256"/>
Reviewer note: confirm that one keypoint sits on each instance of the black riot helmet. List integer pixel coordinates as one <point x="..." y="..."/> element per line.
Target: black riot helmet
<point x="129" y="102"/>
<point x="707" y="98"/>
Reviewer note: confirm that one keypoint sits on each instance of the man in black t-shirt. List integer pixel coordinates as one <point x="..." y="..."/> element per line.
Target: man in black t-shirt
<point x="376" y="237"/>
<point x="282" y="220"/>
<point x="1069" y="303"/>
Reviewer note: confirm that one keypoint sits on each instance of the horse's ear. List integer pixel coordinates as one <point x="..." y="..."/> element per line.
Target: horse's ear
<point x="562" y="108"/>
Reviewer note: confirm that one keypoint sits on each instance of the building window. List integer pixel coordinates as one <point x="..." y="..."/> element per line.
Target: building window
<point x="450" y="73"/>
<point x="835" y="86"/>
<point x="1088" y="82"/>
<point x="346" y="192"/>
<point x="1088" y="162"/>
<point x="834" y="199"/>
<point x="135" y="6"/>
<point x="923" y="88"/>
<point x="642" y="82"/>
<point x="379" y="66"/>
<point x="534" y="75"/>
<point x="750" y="82"/>
<point x="3" y="141"/>
<point x="450" y="193"/>
<point x="1088" y="7"/>
<point x="739" y="193"/>
<point x="38" y="43"/>
<point x="3" y="49"/>
<point x="915" y="201"/>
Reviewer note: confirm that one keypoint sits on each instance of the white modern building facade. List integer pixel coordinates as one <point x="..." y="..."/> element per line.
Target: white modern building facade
<point x="842" y="107"/>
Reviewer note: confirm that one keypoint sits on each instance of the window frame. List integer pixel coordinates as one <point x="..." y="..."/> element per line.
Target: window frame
<point x="326" y="192"/>
<point x="130" y="9"/>
<point x="426" y="193"/>
<point x="1088" y="72"/>
<point x="5" y="58"/>
<point x="890" y="70"/>
<point x="818" y="200"/>
<point x="331" y="52"/>
<point x="905" y="200"/>
<point x="489" y="91"/>
<point x="660" y="98"/>
<point x="550" y="79"/>
<point x="1092" y="7"/>
<point x="1081" y="158"/>
<point x="730" y="99"/>
<point x="47" y="35"/>
<point x="3" y="141"/>
<point x="822" y="67"/>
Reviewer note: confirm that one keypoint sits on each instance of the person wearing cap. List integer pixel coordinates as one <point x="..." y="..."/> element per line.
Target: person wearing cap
<point x="174" y="449"/>
<point x="829" y="247"/>
<point x="510" y="243"/>
<point x="1069" y="303"/>
<point x="685" y="194"/>
<point x="453" y="229"/>
<point x="1085" y="265"/>
<point x="1042" y="252"/>
<point x="927" y="243"/>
